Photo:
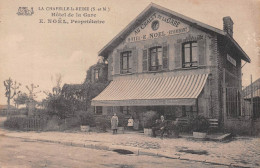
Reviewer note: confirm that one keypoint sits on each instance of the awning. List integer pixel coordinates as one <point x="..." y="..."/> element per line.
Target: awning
<point x="174" y="90"/>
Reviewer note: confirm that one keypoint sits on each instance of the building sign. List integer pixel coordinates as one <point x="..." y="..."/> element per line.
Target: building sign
<point x="231" y="60"/>
<point x="156" y="26"/>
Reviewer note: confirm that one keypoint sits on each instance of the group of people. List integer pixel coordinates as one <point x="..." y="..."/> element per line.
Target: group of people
<point x="160" y="125"/>
<point x="114" y="123"/>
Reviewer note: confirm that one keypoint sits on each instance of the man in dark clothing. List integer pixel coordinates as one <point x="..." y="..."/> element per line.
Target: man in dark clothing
<point x="160" y="125"/>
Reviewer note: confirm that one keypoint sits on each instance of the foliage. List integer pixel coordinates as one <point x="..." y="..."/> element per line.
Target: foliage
<point x="199" y="124"/>
<point x="21" y="123"/>
<point x="103" y="73"/>
<point x="86" y="118"/>
<point x="122" y="122"/>
<point x="13" y="123"/>
<point x="80" y="95"/>
<point x="32" y="92"/>
<point x="103" y="122"/>
<point x="59" y="106"/>
<point x="150" y="118"/>
<point x="21" y="99"/>
<point x="75" y="97"/>
<point x="10" y="89"/>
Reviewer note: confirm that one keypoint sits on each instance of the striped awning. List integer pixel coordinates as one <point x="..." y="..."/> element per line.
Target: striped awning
<point x="174" y="90"/>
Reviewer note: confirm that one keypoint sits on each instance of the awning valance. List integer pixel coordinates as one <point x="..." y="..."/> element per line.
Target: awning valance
<point x="173" y="90"/>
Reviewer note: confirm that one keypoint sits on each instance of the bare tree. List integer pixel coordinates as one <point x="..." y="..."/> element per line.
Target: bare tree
<point x="11" y="89"/>
<point x="32" y="93"/>
<point x="57" y="84"/>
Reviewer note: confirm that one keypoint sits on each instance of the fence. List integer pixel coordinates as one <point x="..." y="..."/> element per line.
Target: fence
<point x="6" y="112"/>
<point x="25" y="123"/>
<point x="251" y="95"/>
<point x="243" y="102"/>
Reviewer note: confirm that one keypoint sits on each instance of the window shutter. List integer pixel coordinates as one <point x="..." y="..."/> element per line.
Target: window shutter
<point x="177" y="56"/>
<point x="145" y="60"/>
<point x="117" y="63"/>
<point x="202" y="52"/>
<point x="110" y="63"/>
<point x="165" y="57"/>
<point x="134" y="61"/>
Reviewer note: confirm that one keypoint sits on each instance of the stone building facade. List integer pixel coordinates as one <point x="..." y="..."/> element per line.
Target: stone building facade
<point x="169" y="63"/>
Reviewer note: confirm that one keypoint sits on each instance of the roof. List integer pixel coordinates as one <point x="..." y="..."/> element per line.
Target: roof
<point x="255" y="87"/>
<point x="255" y="94"/>
<point x="154" y="7"/>
<point x="170" y="90"/>
<point x="6" y="107"/>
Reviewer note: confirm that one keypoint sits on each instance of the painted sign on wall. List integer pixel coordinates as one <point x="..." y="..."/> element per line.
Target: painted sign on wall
<point x="156" y="26"/>
<point x="231" y="60"/>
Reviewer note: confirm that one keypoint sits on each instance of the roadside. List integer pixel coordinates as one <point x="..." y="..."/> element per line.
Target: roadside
<point x="241" y="152"/>
<point x="17" y="152"/>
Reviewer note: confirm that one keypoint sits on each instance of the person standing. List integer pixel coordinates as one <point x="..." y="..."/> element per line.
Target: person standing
<point x="114" y="123"/>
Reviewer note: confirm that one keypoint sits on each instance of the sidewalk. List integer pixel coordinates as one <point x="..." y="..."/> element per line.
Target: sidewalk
<point x="242" y="152"/>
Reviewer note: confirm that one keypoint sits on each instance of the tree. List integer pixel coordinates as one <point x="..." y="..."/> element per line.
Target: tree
<point x="56" y="90"/>
<point x="31" y="101"/>
<point x="58" y="105"/>
<point x="22" y="98"/>
<point x="32" y="92"/>
<point x="11" y="89"/>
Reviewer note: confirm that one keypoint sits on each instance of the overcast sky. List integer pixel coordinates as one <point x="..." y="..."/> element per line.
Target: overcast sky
<point x="31" y="52"/>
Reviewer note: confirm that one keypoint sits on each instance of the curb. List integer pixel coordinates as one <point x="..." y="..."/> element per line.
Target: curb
<point x="136" y="151"/>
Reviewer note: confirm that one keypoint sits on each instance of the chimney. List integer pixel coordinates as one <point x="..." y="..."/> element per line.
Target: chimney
<point x="228" y="25"/>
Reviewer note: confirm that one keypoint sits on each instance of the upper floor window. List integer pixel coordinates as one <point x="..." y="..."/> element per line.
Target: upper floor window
<point x="126" y="62"/>
<point x="156" y="58"/>
<point x="190" y="54"/>
<point x="96" y="74"/>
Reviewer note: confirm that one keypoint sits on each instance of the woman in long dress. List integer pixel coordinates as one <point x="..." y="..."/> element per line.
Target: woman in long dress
<point x="114" y="123"/>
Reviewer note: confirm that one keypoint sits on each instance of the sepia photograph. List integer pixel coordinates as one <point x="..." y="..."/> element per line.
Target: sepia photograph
<point x="130" y="84"/>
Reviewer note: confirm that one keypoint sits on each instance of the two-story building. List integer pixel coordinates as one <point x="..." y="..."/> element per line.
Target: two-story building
<point x="169" y="63"/>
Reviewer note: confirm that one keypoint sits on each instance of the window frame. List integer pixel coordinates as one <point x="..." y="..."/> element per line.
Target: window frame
<point x="189" y="111"/>
<point x="96" y="71"/>
<point x="191" y="63"/>
<point x="128" y="59"/>
<point x="158" y="66"/>
<point x="98" y="111"/>
<point x="125" y="111"/>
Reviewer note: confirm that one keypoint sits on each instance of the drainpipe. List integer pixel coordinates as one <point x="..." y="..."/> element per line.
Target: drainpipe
<point x="252" y="106"/>
<point x="224" y="99"/>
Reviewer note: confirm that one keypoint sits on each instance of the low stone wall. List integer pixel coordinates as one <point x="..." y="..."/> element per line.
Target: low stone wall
<point x="238" y="126"/>
<point x="256" y="125"/>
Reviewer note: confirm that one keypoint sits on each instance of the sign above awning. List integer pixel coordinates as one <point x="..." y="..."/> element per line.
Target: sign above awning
<point x="174" y="90"/>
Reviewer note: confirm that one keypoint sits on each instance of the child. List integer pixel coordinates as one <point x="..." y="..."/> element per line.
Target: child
<point x="130" y="123"/>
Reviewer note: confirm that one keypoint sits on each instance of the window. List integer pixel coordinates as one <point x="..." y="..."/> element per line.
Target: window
<point x="125" y="109"/>
<point x="98" y="110"/>
<point x="190" y="54"/>
<point x="233" y="103"/>
<point x="126" y="62"/>
<point x="96" y="74"/>
<point x="189" y="111"/>
<point x="156" y="58"/>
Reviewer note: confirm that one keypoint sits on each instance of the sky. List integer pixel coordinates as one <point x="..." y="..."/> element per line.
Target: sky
<point x="32" y="52"/>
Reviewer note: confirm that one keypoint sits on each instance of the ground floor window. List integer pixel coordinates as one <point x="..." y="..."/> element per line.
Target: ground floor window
<point x="189" y="111"/>
<point x="233" y="102"/>
<point x="98" y="110"/>
<point x="125" y="110"/>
